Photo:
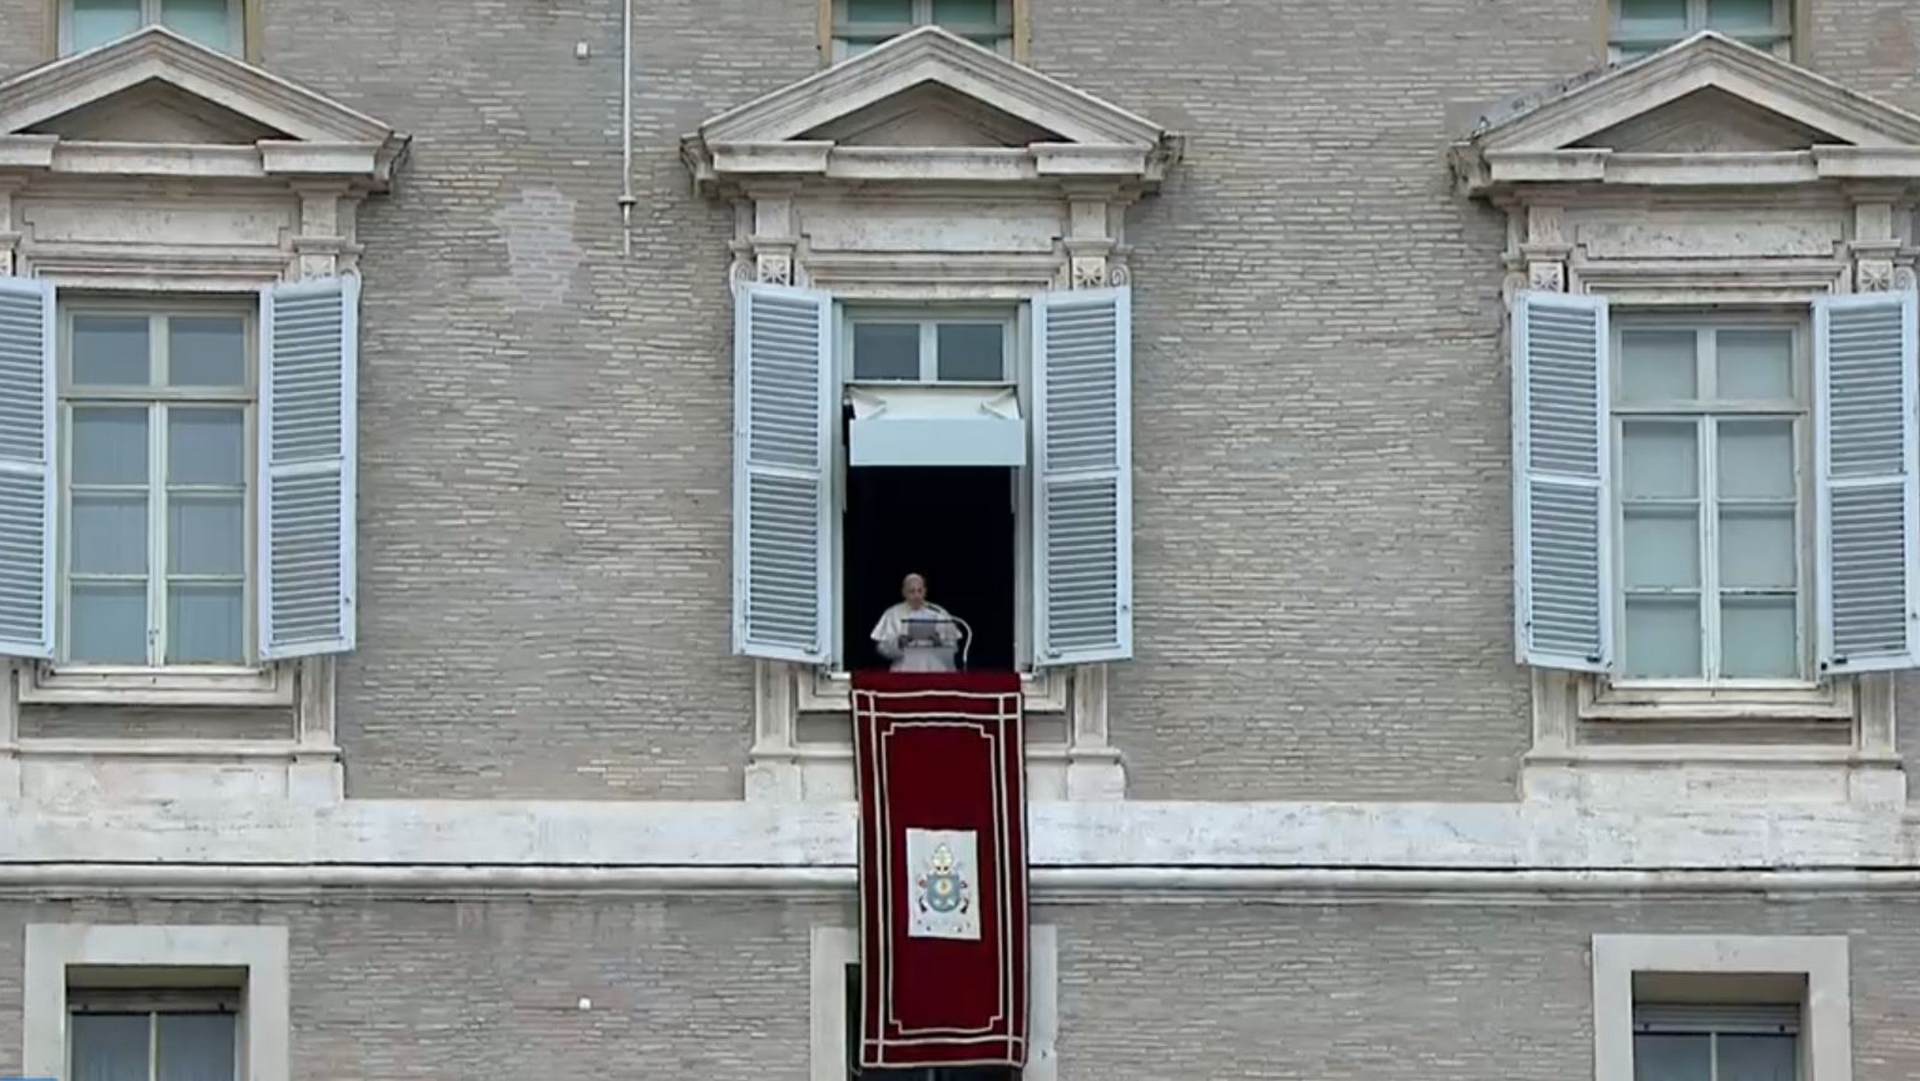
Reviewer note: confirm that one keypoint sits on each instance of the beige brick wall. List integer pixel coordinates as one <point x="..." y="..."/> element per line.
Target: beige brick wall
<point x="1323" y="583"/>
<point x="718" y="989"/>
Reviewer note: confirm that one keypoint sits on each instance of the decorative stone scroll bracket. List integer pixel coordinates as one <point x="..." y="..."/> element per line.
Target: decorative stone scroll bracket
<point x="1876" y="246"/>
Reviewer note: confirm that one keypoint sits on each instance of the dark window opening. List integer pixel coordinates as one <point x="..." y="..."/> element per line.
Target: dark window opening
<point x="937" y="1073"/>
<point x="954" y="526"/>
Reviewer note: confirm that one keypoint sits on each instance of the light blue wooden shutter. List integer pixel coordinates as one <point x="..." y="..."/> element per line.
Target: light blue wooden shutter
<point x="309" y="345"/>
<point x="1562" y="559"/>
<point x="27" y="498"/>
<point x="1083" y="476"/>
<point x="785" y="413"/>
<point x="1869" y="505"/>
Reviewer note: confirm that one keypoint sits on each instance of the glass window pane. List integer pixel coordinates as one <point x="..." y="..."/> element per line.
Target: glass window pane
<point x="1757" y="549"/>
<point x="195" y="1047"/>
<point x="109" y="446"/>
<point x="111" y="350"/>
<point x="1662" y="547"/>
<point x="1672" y="1057"/>
<point x="1658" y="365"/>
<point x="1754" y="365"/>
<point x="109" y="534"/>
<point x="109" y="622"/>
<point x="879" y="11"/>
<point x="206" y="351"/>
<point x="110" y="1046"/>
<point x="886" y="351"/>
<point x="96" y="22"/>
<point x="206" y="534"/>
<point x="1736" y="15"/>
<point x="205" y="623"/>
<point x="1756" y="459"/>
<point x="1759" y="639"/>
<point x="966" y="12"/>
<point x="1758" y="1058"/>
<point x="1653" y="18"/>
<point x="1662" y="638"/>
<point x="1660" y="459"/>
<point x="205" y="21"/>
<point x="972" y="352"/>
<point x="206" y="446"/>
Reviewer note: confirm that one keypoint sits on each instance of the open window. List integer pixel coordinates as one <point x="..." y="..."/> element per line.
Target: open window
<point x="985" y="448"/>
<point x="932" y="356"/>
<point x="933" y="459"/>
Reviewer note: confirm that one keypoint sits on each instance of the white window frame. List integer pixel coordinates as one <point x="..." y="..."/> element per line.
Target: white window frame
<point x="150" y="11"/>
<point x="832" y="949"/>
<point x="1017" y="318"/>
<point x="928" y="318"/>
<point x="264" y="1027"/>
<point x="844" y="32"/>
<point x="1619" y="46"/>
<point x="154" y="1004"/>
<point x="1624" y="321"/>
<point x="252" y="683"/>
<point x="1826" y="1012"/>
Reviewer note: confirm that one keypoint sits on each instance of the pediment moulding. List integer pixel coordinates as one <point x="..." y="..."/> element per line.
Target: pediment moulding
<point x="929" y="109"/>
<point x="155" y="104"/>
<point x="1706" y="112"/>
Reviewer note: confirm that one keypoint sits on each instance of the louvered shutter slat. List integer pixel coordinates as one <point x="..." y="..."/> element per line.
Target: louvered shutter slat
<point x="27" y="496"/>
<point x="1562" y="576"/>
<point x="1868" y="512"/>
<point x="309" y="352"/>
<point x="1083" y="483"/>
<point x="784" y="416"/>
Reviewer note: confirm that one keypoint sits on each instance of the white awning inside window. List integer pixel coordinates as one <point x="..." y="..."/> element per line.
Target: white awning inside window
<point x="935" y="425"/>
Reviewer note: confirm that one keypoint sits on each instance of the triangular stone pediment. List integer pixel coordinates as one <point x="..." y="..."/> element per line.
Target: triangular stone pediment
<point x="155" y="112"/>
<point x="931" y="115"/>
<point x="933" y="92"/>
<point x="1707" y="94"/>
<point x="159" y="88"/>
<point x="1710" y="121"/>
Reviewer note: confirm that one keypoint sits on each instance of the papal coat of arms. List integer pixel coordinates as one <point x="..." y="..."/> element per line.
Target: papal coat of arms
<point x="944" y="880"/>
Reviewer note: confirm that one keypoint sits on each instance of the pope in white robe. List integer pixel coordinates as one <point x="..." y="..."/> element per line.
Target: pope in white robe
<point x="916" y="635"/>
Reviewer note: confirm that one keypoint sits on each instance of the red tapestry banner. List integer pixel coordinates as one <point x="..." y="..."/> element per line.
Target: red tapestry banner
<point x="943" y="868"/>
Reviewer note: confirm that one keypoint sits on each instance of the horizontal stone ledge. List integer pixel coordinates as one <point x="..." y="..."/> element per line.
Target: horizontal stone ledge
<point x="1426" y="837"/>
<point x="1306" y="885"/>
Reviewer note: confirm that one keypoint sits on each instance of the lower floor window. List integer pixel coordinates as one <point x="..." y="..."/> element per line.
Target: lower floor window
<point x="147" y="1035"/>
<point x="940" y="1073"/>
<point x="1700" y="1042"/>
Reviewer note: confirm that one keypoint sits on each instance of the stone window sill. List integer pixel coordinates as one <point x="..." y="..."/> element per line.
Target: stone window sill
<point x="267" y="685"/>
<point x="822" y="691"/>
<point x="1832" y="699"/>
